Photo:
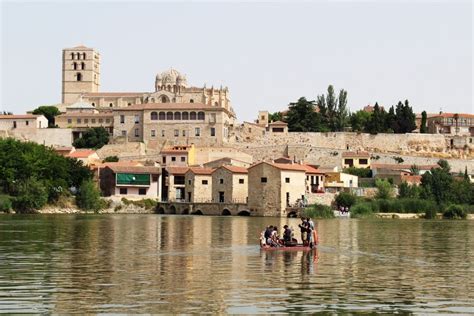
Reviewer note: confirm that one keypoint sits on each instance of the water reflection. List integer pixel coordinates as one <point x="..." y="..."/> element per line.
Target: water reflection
<point x="192" y="264"/>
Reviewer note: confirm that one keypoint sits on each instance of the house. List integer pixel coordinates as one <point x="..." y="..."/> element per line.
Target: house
<point x="173" y="189"/>
<point x="64" y="150"/>
<point x="275" y="186"/>
<point x="337" y="181"/>
<point x="87" y="156"/>
<point x="198" y="185"/>
<point x="24" y="121"/>
<point x="227" y="161"/>
<point x="451" y="123"/>
<point x="131" y="181"/>
<point x="178" y="156"/>
<point x="357" y="159"/>
<point x="314" y="179"/>
<point x="379" y="169"/>
<point x="278" y="127"/>
<point x="230" y="184"/>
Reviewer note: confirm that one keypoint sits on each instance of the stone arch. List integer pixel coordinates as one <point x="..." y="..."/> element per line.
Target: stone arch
<point x="160" y="210"/>
<point x="293" y="214"/>
<point x="197" y="212"/>
<point x="169" y="116"/>
<point x="244" y="213"/>
<point x="201" y="116"/>
<point x="162" y="116"/>
<point x="226" y="212"/>
<point x="164" y="99"/>
<point x="185" y="116"/>
<point x="154" y="116"/>
<point x="177" y="116"/>
<point x="192" y="115"/>
<point x="173" y="209"/>
<point x="185" y="211"/>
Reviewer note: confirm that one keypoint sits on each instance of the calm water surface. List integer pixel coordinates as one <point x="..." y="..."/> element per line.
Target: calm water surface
<point x="192" y="264"/>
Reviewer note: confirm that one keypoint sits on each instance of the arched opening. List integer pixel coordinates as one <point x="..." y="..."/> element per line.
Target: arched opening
<point x="79" y="76"/>
<point x="197" y="212"/>
<point x="73" y="56"/>
<point x="160" y="210"/>
<point x="216" y="103"/>
<point x="83" y="55"/>
<point x="172" y="209"/>
<point x="164" y="99"/>
<point x="74" y="65"/>
<point x="111" y="104"/>
<point x="226" y="212"/>
<point x="78" y="56"/>
<point x="177" y="116"/>
<point x="153" y="116"/>
<point x="185" y="116"/>
<point x="192" y="116"/>
<point x="292" y="214"/>
<point x="201" y="116"/>
<point x="93" y="104"/>
<point x="162" y="116"/>
<point x="244" y="213"/>
<point x="185" y="211"/>
<point x="83" y="66"/>
<point x="169" y="116"/>
<point x="191" y="101"/>
<point x="169" y="88"/>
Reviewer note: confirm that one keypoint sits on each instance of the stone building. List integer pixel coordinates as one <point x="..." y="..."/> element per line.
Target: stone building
<point x="273" y="187"/>
<point x="226" y="161"/>
<point x="451" y="124"/>
<point x="337" y="181"/>
<point x="173" y="188"/>
<point x="182" y="156"/>
<point x="22" y="122"/>
<point x="357" y="159"/>
<point x="230" y="184"/>
<point x="87" y="156"/>
<point x="198" y="187"/>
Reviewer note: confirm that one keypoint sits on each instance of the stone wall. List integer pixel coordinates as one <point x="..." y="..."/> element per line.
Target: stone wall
<point x="44" y="136"/>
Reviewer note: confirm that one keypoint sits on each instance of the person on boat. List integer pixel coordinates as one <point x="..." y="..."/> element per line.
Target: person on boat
<point x="309" y="232"/>
<point x="268" y="234"/>
<point x="303" y="230"/>
<point x="288" y="236"/>
<point x="275" y="238"/>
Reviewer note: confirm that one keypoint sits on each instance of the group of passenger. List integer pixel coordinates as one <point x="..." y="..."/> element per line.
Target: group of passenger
<point x="270" y="236"/>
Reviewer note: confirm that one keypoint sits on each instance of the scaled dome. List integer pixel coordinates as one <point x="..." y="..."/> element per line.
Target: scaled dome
<point x="172" y="77"/>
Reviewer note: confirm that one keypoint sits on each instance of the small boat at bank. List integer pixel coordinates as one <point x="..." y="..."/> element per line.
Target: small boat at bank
<point x="287" y="248"/>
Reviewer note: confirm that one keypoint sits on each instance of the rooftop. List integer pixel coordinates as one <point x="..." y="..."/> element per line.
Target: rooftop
<point x="177" y="170"/>
<point x="201" y="170"/>
<point x="19" y="116"/>
<point x="81" y="153"/>
<point x="235" y="169"/>
<point x="135" y="169"/>
<point x="400" y="166"/>
<point x="361" y="154"/>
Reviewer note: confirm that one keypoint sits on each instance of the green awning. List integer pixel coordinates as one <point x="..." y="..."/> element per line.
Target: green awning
<point x="133" y="179"/>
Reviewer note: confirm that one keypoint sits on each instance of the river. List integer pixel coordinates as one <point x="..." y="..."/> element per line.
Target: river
<point x="193" y="264"/>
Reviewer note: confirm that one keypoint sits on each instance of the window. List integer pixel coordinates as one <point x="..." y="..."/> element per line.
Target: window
<point x="79" y="76"/>
<point x="173" y="158"/>
<point x="162" y="116"/>
<point x="183" y="159"/>
<point x="123" y="190"/>
<point x="93" y="104"/>
<point x="79" y="121"/>
<point x="137" y="119"/>
<point x="162" y="133"/>
<point x="74" y="66"/>
<point x="107" y="120"/>
<point x="111" y="104"/>
<point x="83" y="66"/>
<point x="169" y="116"/>
<point x="241" y="181"/>
<point x="164" y="159"/>
<point x="83" y="55"/>
<point x="129" y="103"/>
<point x="263" y="180"/>
<point x="192" y="115"/>
<point x="201" y="116"/>
<point x="137" y="132"/>
<point x="122" y="119"/>
<point x="191" y="101"/>
<point x="124" y="133"/>
<point x="86" y="121"/>
<point x="213" y="131"/>
<point x="204" y="182"/>
<point x="141" y="191"/>
<point x="221" y="181"/>
<point x="72" y="56"/>
<point x="154" y="116"/>
<point x="197" y="132"/>
<point x="349" y="162"/>
<point x="189" y="182"/>
<point x="287" y="180"/>
<point x="184" y="132"/>
<point x="363" y="161"/>
<point x="14" y="124"/>
<point x="164" y="99"/>
<point x="101" y="120"/>
<point x="177" y="116"/>
<point x="185" y="116"/>
<point x="69" y="121"/>
<point x="153" y="133"/>
<point x="176" y="132"/>
<point x="216" y="104"/>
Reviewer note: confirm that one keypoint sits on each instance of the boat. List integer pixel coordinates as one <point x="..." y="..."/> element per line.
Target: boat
<point x="285" y="248"/>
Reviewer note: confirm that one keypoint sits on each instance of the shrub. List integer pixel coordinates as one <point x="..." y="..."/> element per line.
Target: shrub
<point x="5" y="203"/>
<point x="384" y="189"/>
<point x="111" y="159"/>
<point x="360" y="172"/>
<point x="88" y="197"/>
<point x="454" y="212"/>
<point x="31" y="196"/>
<point x="318" y="211"/>
<point x="431" y="214"/>
<point x="345" y="199"/>
<point x="362" y="210"/>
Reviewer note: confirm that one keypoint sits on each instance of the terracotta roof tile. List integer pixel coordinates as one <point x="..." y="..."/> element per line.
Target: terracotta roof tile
<point x="177" y="170"/>
<point x="135" y="169"/>
<point x="201" y="170"/>
<point x="235" y="169"/>
<point x="361" y="154"/>
<point x="312" y="170"/>
<point x="451" y="115"/>
<point x="19" y="116"/>
<point x="278" y="123"/>
<point x="81" y="153"/>
<point x="114" y="94"/>
<point x="171" y="106"/>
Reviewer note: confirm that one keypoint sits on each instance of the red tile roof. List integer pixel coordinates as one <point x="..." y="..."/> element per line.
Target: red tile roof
<point x="114" y="94"/>
<point x="201" y="170"/>
<point x="235" y="169"/>
<point x="312" y="170"/>
<point x="170" y="106"/>
<point x="278" y="123"/>
<point x="83" y="114"/>
<point x="81" y="153"/>
<point x="360" y="154"/>
<point x="416" y="179"/>
<point x="19" y="116"/>
<point x="177" y="170"/>
<point x="135" y="169"/>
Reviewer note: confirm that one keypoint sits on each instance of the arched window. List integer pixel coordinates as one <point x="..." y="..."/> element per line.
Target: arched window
<point x="111" y="104"/>
<point x="177" y="116"/>
<point x="78" y="56"/>
<point x="191" y="101"/>
<point x="169" y="116"/>
<point x="201" y="116"/>
<point x="93" y="104"/>
<point x="169" y="87"/>
<point x="79" y="76"/>
<point x="216" y="104"/>
<point x="164" y="99"/>
<point x="72" y="56"/>
<point x="83" y="66"/>
<point x="153" y="116"/>
<point x="83" y="55"/>
<point x="192" y="116"/>
<point x="162" y="116"/>
<point x="74" y="65"/>
<point x="185" y="116"/>
<point x="152" y="100"/>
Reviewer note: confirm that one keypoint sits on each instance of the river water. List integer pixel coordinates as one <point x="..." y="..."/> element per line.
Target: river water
<point x="194" y="264"/>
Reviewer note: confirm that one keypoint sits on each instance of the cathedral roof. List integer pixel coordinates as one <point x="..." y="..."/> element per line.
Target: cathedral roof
<point x="80" y="105"/>
<point x="172" y="77"/>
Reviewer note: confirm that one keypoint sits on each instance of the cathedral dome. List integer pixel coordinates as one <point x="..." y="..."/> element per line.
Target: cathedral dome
<point x="172" y="77"/>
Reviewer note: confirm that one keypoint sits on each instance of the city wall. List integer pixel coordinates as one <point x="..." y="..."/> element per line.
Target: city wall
<point x="44" y="136"/>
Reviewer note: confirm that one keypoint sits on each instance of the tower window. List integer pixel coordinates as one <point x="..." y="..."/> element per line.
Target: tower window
<point x="111" y="104"/>
<point x="78" y="56"/>
<point x="83" y="66"/>
<point x="79" y="76"/>
<point x="191" y="101"/>
<point x="74" y="65"/>
<point x="93" y="104"/>
<point x="83" y="55"/>
<point x="154" y="116"/>
<point x="72" y="56"/>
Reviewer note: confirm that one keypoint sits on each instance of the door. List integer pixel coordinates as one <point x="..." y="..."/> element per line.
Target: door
<point x="221" y="197"/>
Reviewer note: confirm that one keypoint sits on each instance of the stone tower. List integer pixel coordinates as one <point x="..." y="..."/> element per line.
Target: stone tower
<point x="81" y="72"/>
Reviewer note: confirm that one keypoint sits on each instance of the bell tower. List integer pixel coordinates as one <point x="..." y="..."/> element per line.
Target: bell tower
<point x="80" y="72"/>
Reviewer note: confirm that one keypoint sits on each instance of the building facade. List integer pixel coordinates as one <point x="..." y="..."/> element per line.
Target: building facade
<point x="451" y="123"/>
<point x="230" y="184"/>
<point x="198" y="187"/>
<point x="25" y="121"/>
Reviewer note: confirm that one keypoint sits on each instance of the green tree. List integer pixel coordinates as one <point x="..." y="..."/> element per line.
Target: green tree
<point x="359" y="120"/>
<point x="277" y="116"/>
<point x="333" y="113"/>
<point x="377" y="122"/>
<point x="301" y="116"/>
<point x="345" y="199"/>
<point x="31" y="195"/>
<point x="423" y="127"/>
<point x="5" y="203"/>
<point x="437" y="183"/>
<point x="390" y="121"/>
<point x="111" y="159"/>
<point x="95" y="137"/>
<point x="88" y="197"/>
<point x="405" y="118"/>
<point x="408" y="191"/>
<point x="384" y="189"/>
<point x="49" y="111"/>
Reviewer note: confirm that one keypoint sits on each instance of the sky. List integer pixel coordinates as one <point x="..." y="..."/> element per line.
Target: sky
<point x="268" y="53"/>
